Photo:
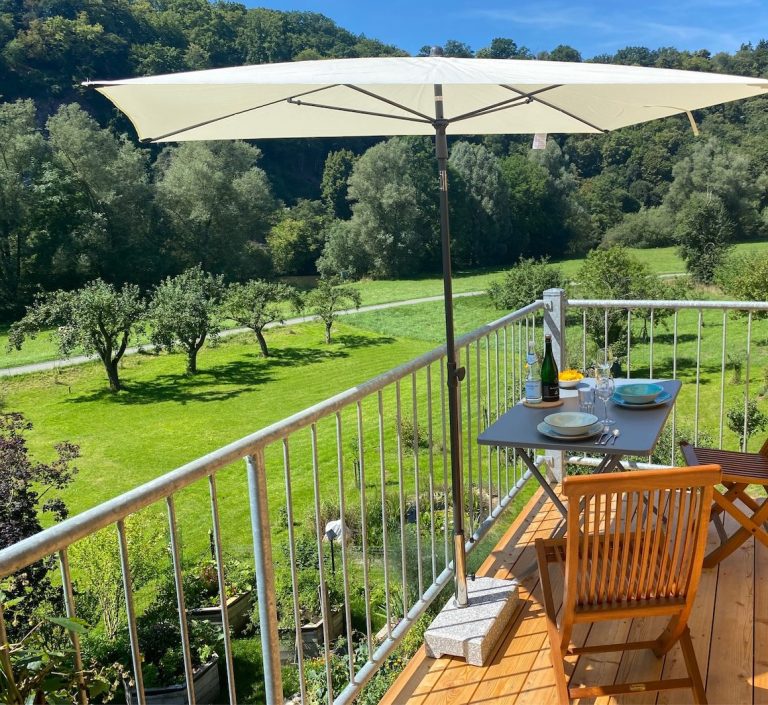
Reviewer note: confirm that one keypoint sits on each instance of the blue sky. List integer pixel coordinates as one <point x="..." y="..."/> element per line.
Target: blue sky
<point x="591" y="27"/>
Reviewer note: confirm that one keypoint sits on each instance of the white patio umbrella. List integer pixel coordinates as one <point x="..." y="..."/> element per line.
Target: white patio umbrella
<point x="416" y="96"/>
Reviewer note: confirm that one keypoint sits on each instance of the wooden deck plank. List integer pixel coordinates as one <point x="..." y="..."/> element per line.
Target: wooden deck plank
<point x="520" y="673"/>
<point x="700" y="624"/>
<point x="760" y="677"/>
<point x="730" y="672"/>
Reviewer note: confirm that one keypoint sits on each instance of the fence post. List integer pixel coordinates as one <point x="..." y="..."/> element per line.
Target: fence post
<point x="555" y="304"/>
<point x="265" y="577"/>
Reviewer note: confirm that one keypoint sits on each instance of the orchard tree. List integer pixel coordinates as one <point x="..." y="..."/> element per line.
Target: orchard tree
<point x="756" y="421"/>
<point x="327" y="299"/>
<point x="524" y="283"/>
<point x="99" y="319"/>
<point x="256" y="304"/>
<point x="744" y="276"/>
<point x="185" y="311"/>
<point x="28" y="491"/>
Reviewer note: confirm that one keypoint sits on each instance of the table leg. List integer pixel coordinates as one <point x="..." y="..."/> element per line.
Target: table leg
<point x="523" y="453"/>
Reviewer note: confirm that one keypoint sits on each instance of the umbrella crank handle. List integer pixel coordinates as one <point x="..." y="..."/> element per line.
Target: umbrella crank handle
<point x="461" y="373"/>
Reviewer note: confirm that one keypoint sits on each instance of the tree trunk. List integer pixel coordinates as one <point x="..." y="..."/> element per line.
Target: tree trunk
<point x="328" y="332"/>
<point x="112" y="375"/>
<point x="192" y="361"/>
<point x="262" y="343"/>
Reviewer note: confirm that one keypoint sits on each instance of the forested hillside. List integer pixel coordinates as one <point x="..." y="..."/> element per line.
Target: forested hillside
<point x="80" y="199"/>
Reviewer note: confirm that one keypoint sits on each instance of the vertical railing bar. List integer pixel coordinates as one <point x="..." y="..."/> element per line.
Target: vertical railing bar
<point x="470" y="492"/>
<point x="180" y="602"/>
<point x="518" y="390"/>
<point x="320" y="531"/>
<point x="401" y="492"/>
<point x="364" y="528"/>
<point x="650" y="353"/>
<point x="584" y="340"/>
<point x="384" y="518"/>
<point x="133" y="633"/>
<point x="430" y="444"/>
<point x="698" y="379"/>
<point x="219" y="554"/>
<point x="722" y="376"/>
<point x="417" y="482"/>
<point x="478" y="426"/>
<point x="344" y="541"/>
<point x="444" y="443"/>
<point x="294" y="577"/>
<point x="605" y="347"/>
<point x="747" y="366"/>
<point x="506" y="404"/>
<point x="261" y="532"/>
<point x="69" y="606"/>
<point x="629" y="342"/>
<point x="674" y="376"/>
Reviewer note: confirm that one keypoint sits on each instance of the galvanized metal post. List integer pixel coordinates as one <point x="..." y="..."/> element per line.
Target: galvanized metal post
<point x="555" y="304"/>
<point x="265" y="577"/>
<point x="454" y="373"/>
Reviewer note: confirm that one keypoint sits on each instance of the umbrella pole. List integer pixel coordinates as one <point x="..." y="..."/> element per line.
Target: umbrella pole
<point x="455" y="373"/>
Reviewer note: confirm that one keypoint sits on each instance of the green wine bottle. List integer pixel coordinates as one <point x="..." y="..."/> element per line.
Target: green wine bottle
<point x="550" y="387"/>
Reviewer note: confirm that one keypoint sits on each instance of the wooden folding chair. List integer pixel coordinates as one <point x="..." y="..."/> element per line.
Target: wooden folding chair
<point x="634" y="550"/>
<point x="739" y="471"/>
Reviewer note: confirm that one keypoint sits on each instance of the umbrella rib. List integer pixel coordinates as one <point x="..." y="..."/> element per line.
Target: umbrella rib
<point x="558" y="108"/>
<point x="357" y="111"/>
<point x="522" y="99"/>
<point x="181" y="130"/>
<point x="393" y="103"/>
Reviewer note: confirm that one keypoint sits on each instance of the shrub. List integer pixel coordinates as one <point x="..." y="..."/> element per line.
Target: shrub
<point x="662" y="453"/>
<point x="524" y="283"/>
<point x="744" y="276"/>
<point x="648" y="227"/>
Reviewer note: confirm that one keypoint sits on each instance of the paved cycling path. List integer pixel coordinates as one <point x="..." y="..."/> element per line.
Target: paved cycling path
<point x="82" y="359"/>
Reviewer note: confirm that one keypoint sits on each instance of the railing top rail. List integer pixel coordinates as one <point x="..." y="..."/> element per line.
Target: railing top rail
<point x="671" y="303"/>
<point x="55" y="538"/>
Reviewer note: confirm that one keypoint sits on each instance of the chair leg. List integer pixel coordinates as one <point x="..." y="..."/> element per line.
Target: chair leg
<point x="689" y="655"/>
<point x="555" y="639"/>
<point x="670" y="635"/>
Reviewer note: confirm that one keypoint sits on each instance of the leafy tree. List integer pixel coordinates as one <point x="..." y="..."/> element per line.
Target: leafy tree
<point x="344" y="253"/>
<point x="704" y="232"/>
<point x="296" y="240"/>
<point x="99" y="319"/>
<point x="395" y="207"/>
<point x="648" y="227"/>
<point x="185" y="311"/>
<point x="101" y="598"/>
<point x="22" y="153"/>
<point x="338" y="166"/>
<point x="256" y="304"/>
<point x="480" y="224"/>
<point x="217" y="202"/>
<point x="524" y="283"/>
<point x="29" y="489"/>
<point x="744" y="276"/>
<point x="563" y="52"/>
<point x="503" y="48"/>
<point x="614" y="273"/>
<point x="327" y="299"/>
<point x="756" y="421"/>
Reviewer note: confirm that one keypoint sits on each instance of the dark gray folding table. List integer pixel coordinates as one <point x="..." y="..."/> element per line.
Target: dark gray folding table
<point x="640" y="430"/>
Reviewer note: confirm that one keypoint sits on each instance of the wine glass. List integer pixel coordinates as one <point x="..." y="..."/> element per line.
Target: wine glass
<point x="604" y="362"/>
<point x="605" y="388"/>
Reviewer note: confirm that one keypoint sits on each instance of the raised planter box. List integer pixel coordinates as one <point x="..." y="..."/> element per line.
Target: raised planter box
<point x="311" y="637"/>
<point x="238" y="608"/>
<point x="206" y="681"/>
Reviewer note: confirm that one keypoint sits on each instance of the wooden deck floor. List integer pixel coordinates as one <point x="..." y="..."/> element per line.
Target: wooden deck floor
<point x="729" y="626"/>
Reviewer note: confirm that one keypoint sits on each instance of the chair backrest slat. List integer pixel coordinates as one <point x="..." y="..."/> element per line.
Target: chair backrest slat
<point x="641" y="536"/>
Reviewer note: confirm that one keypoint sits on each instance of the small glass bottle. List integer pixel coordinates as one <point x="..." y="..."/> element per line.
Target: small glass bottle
<point x="533" y="376"/>
<point x="550" y="384"/>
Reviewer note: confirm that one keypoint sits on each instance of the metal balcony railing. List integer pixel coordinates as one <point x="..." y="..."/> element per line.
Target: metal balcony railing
<point x="397" y="423"/>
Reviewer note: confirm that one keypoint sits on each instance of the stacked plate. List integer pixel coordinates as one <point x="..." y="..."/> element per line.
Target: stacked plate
<point x="640" y="396"/>
<point x="570" y="425"/>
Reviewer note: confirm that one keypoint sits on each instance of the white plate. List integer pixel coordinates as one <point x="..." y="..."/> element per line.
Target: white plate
<point x="545" y="429"/>
<point x="663" y="398"/>
<point x="570" y="423"/>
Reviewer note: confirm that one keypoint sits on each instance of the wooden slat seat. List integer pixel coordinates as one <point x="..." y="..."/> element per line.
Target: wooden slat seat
<point x="739" y="471"/>
<point x="634" y="548"/>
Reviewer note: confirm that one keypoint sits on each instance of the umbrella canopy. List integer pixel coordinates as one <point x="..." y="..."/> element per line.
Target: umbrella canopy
<point x="396" y="97"/>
